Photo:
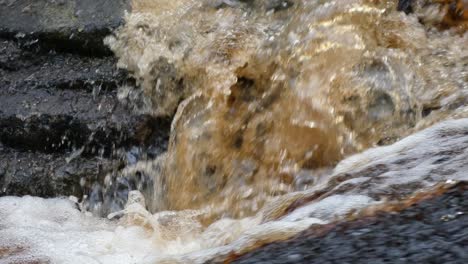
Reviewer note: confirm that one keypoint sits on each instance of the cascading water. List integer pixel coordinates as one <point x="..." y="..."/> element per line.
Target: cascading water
<point x="274" y="89"/>
<point x="268" y="97"/>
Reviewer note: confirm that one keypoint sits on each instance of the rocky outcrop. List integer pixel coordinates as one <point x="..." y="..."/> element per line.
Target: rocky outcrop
<point x="62" y="126"/>
<point x="432" y="231"/>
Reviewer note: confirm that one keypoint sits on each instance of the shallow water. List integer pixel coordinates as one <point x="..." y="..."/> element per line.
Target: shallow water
<point x="271" y="100"/>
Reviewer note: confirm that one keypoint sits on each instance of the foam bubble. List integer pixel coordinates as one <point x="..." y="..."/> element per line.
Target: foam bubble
<point x="56" y="231"/>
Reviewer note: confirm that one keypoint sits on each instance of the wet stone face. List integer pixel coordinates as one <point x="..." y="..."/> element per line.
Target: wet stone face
<point x="64" y="123"/>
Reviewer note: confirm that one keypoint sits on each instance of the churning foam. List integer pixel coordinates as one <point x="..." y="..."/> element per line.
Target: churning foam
<point x="56" y="231"/>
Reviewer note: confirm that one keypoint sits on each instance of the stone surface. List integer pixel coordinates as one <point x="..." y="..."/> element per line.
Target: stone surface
<point x="47" y="175"/>
<point x="70" y="25"/>
<point x="62" y="125"/>
<point x="433" y="231"/>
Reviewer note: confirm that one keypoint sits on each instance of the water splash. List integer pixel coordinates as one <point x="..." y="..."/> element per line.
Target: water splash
<point x="268" y="97"/>
<point x="272" y="91"/>
<point x="54" y="230"/>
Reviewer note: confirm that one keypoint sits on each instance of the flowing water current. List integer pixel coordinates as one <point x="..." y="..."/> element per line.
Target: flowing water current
<point x="287" y="114"/>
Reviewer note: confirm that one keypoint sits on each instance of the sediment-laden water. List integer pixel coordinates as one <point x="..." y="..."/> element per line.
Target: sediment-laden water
<point x="272" y="102"/>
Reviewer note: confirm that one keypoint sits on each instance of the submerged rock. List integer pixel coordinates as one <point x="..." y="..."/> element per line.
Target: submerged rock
<point x="444" y="14"/>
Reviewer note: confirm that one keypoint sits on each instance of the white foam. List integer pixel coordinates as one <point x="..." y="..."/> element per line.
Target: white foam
<point x="434" y="155"/>
<point x="333" y="207"/>
<point x="55" y="230"/>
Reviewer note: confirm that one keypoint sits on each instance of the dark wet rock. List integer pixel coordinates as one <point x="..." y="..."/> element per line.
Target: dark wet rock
<point x="278" y="5"/>
<point x="22" y="67"/>
<point x="405" y="6"/>
<point x="67" y="25"/>
<point x="47" y="175"/>
<point x="432" y="231"/>
<point x="64" y="133"/>
<point x="61" y="102"/>
<point x="268" y="5"/>
<point x="64" y="125"/>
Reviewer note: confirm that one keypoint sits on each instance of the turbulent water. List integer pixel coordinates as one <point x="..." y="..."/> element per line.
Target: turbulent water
<point x="270" y="100"/>
<point x="271" y="91"/>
